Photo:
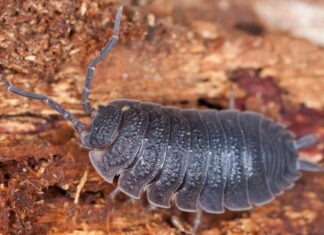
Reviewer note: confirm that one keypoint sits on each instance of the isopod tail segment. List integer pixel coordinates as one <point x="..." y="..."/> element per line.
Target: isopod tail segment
<point x="77" y="125"/>
<point x="304" y="142"/>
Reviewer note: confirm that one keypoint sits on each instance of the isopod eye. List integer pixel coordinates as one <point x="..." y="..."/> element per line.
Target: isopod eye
<point x="104" y="127"/>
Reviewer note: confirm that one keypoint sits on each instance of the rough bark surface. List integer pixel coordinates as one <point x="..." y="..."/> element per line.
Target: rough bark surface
<point x="182" y="53"/>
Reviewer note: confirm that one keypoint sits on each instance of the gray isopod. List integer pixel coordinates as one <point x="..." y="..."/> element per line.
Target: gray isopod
<point x="202" y="160"/>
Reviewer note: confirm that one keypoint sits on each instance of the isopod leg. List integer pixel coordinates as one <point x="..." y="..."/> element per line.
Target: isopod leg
<point x="231" y="100"/>
<point x="114" y="193"/>
<point x="92" y="66"/>
<point x="197" y="221"/>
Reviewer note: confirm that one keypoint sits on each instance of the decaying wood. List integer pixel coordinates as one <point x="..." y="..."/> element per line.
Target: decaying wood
<point x="182" y="53"/>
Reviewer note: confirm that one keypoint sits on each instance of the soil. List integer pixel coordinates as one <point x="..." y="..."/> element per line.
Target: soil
<point x="189" y="54"/>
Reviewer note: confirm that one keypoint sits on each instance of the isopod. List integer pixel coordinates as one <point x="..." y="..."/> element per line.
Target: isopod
<point x="202" y="160"/>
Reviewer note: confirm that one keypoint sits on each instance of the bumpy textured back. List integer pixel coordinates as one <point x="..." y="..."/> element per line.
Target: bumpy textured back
<point x="203" y="159"/>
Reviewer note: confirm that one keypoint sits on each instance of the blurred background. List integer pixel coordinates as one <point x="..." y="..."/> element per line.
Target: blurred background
<point x="186" y="53"/>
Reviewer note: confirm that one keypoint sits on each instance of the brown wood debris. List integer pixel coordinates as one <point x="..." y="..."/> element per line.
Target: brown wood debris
<point x="182" y="53"/>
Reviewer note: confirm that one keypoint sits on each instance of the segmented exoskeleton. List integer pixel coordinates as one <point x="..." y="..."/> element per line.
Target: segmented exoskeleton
<point x="203" y="159"/>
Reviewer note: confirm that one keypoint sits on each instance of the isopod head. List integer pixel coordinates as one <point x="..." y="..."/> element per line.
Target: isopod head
<point x="104" y="127"/>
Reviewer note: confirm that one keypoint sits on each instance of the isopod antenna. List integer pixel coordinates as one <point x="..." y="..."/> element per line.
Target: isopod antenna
<point x="92" y="66"/>
<point x="77" y="125"/>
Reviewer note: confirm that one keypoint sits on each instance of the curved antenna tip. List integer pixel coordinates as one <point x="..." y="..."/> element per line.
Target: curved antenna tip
<point x="118" y="19"/>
